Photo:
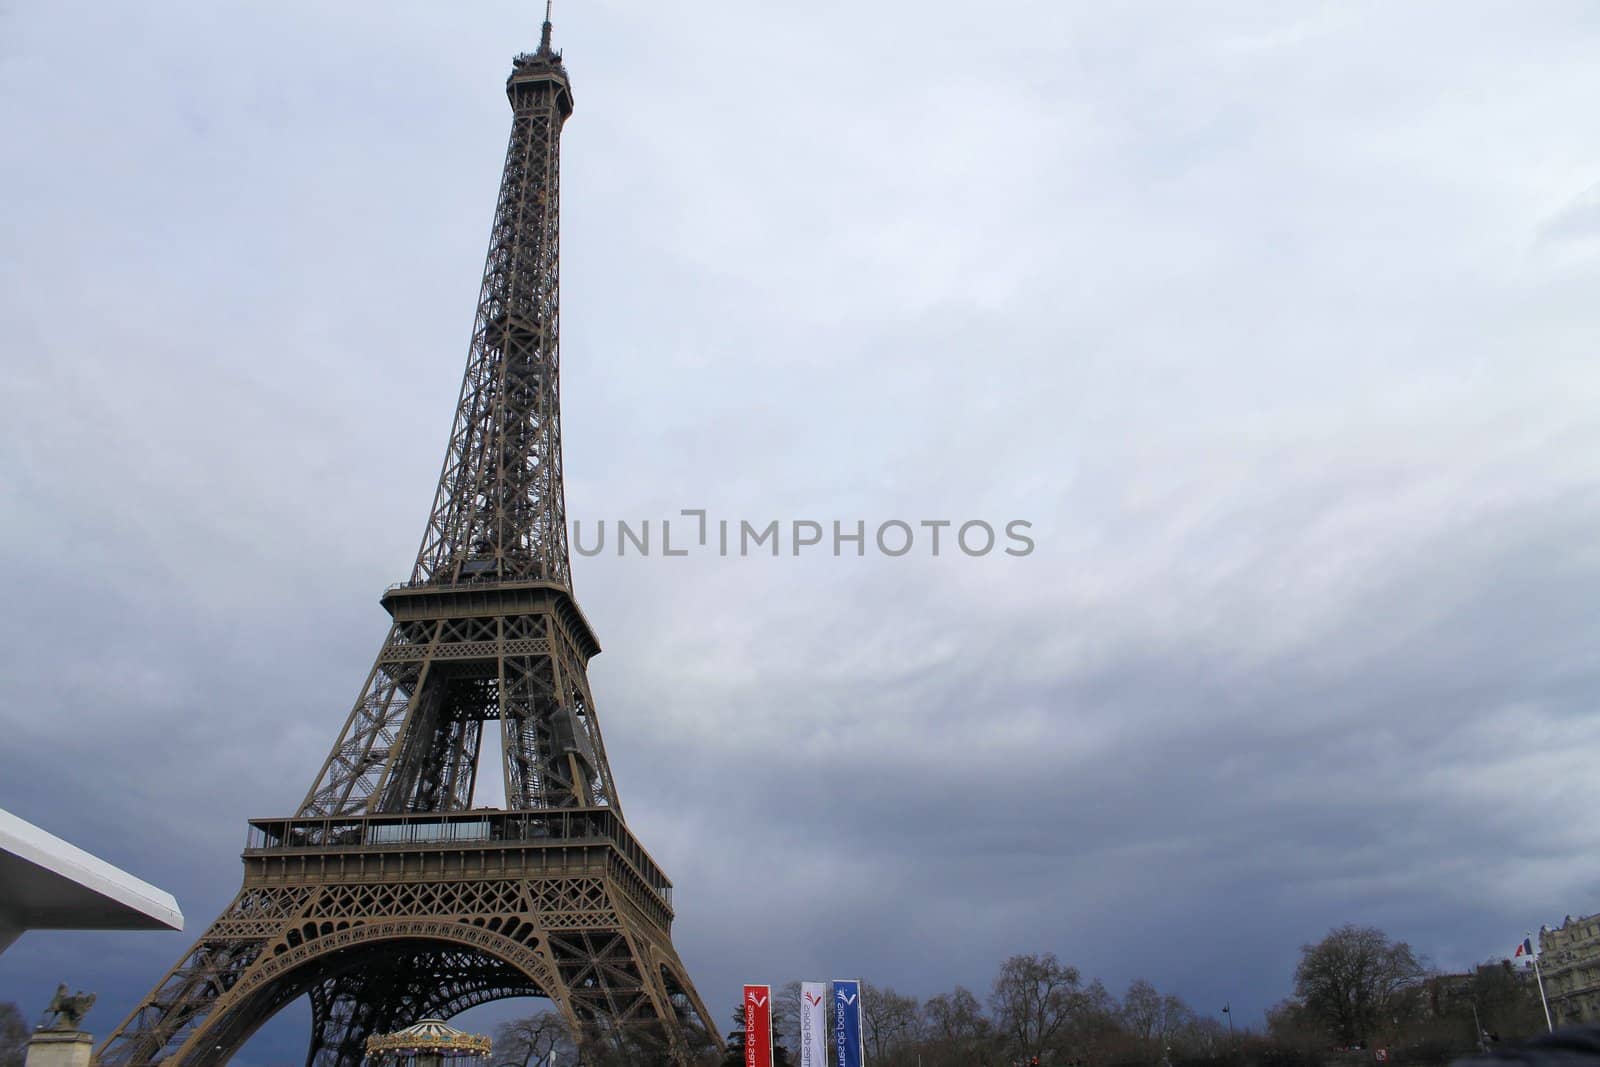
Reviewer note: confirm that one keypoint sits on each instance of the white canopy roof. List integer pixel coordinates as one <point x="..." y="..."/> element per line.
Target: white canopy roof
<point x="48" y="884"/>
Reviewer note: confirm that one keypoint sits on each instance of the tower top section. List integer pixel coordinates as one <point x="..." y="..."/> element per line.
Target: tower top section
<point x="500" y="512"/>
<point x="543" y="68"/>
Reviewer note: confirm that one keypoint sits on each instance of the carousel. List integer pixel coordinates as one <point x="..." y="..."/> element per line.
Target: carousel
<point x="429" y="1043"/>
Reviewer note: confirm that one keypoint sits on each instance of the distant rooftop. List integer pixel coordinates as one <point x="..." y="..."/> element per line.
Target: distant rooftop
<point x="47" y="884"/>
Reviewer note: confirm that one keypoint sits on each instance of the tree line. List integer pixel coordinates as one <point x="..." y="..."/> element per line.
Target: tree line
<point x="1357" y="990"/>
<point x="1354" y="992"/>
<point x="1037" y="1007"/>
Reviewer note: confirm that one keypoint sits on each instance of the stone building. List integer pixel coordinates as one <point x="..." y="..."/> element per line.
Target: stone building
<point x="1569" y="955"/>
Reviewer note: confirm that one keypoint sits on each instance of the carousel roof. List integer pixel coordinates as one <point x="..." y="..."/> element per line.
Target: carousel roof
<point x="429" y="1035"/>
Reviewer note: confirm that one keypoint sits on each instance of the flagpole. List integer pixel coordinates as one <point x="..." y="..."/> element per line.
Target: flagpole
<point x="1538" y="977"/>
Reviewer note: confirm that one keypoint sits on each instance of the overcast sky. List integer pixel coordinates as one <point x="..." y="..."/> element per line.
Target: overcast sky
<point x="1278" y="323"/>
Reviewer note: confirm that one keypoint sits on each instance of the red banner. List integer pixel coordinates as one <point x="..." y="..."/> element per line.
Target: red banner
<point x="757" y="1026"/>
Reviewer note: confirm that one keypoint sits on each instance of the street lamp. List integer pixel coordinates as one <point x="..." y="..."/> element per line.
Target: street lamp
<point x="1227" y="1009"/>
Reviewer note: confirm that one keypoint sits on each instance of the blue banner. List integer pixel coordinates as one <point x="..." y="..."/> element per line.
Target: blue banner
<point x="847" y="1024"/>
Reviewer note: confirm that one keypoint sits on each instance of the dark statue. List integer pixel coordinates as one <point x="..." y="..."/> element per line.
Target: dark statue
<point x="64" y="1012"/>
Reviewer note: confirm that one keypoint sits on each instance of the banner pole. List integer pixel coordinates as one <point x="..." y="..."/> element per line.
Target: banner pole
<point x="1538" y="976"/>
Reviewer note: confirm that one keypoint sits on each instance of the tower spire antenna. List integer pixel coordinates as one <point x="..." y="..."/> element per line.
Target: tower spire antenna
<point x="544" y="33"/>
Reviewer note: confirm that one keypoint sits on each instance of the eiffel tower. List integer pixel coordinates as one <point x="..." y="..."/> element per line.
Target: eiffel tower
<point x="387" y="898"/>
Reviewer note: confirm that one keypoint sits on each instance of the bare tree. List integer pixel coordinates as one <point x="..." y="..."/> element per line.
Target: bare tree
<point x="1034" y="998"/>
<point x="526" y="1042"/>
<point x="955" y="1030"/>
<point x="636" y="1043"/>
<point x="1291" y="1024"/>
<point x="1141" y="1010"/>
<point x="786" y="1016"/>
<point x="890" y="1022"/>
<point x="1093" y="1023"/>
<point x="1508" y="1005"/>
<point x="1200" y="1037"/>
<point x="955" y="1016"/>
<point x="1354" y="979"/>
<point x="14" y="1032"/>
<point x="1155" y="1021"/>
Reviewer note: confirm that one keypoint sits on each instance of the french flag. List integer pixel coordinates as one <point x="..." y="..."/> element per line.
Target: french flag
<point x="1524" y="949"/>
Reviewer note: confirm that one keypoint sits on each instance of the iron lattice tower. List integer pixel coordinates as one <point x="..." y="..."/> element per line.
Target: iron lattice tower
<point x="387" y="898"/>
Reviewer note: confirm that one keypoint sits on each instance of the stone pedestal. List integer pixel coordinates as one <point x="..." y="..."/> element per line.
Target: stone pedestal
<point x="59" y="1048"/>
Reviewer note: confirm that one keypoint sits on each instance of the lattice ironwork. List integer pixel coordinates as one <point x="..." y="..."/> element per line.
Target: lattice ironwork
<point x="500" y="511"/>
<point x="388" y="897"/>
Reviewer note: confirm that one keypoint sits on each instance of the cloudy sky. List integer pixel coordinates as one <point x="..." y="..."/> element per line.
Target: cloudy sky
<point x="1277" y="322"/>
